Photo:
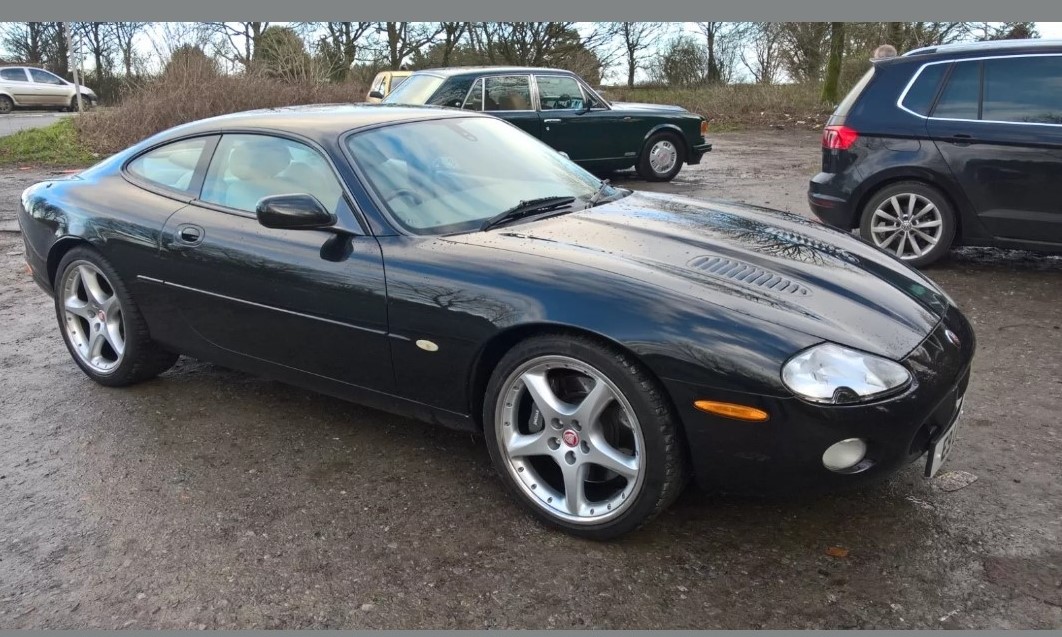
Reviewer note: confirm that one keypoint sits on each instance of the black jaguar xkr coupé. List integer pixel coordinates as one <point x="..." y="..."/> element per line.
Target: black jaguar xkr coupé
<point x="609" y="344"/>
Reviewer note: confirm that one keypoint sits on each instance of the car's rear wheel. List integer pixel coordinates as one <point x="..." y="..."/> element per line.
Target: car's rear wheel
<point x="911" y="220"/>
<point x="101" y="325"/>
<point x="661" y="157"/>
<point x="582" y="436"/>
<point x="6" y="104"/>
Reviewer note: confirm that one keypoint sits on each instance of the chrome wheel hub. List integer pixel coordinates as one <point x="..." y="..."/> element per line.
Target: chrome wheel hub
<point x="907" y="224"/>
<point x="570" y="439"/>
<point x="92" y="317"/>
<point x="662" y="157"/>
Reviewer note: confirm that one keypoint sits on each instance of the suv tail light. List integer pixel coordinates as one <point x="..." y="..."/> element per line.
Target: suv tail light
<point x="838" y="137"/>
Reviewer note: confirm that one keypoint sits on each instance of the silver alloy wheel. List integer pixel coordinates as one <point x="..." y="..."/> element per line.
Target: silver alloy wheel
<point x="662" y="157"/>
<point x="92" y="317"/>
<point x="570" y="439"/>
<point x="907" y="224"/>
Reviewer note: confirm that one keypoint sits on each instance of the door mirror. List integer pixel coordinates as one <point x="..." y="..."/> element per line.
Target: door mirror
<point x="293" y="212"/>
<point x="563" y="154"/>
<point x="376" y="95"/>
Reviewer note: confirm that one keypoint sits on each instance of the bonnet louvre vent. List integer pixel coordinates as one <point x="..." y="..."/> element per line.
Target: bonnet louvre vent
<point x="724" y="268"/>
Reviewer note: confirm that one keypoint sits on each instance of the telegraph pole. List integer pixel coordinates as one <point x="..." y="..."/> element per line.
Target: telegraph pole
<point x="77" y="81"/>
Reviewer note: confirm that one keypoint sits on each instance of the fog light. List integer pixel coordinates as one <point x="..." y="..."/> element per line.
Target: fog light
<point x="845" y="454"/>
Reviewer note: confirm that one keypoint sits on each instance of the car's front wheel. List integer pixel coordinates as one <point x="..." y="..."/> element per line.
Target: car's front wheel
<point x="101" y="325"/>
<point x="582" y="436"/>
<point x="911" y="220"/>
<point x="661" y="158"/>
<point x="6" y="104"/>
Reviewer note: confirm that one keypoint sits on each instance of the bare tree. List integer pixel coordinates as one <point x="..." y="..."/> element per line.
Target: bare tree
<point x="401" y="39"/>
<point x="724" y="42"/>
<point x="833" y="67"/>
<point x="98" y="38"/>
<point x="763" y="57"/>
<point x="804" y="47"/>
<point x="636" y="38"/>
<point x="25" y="41"/>
<point x="124" y="34"/>
<point x="235" y="41"/>
<point x="452" y="33"/>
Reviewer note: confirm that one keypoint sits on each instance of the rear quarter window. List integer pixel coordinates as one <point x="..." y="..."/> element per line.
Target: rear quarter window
<point x="923" y="90"/>
<point x="171" y="166"/>
<point x="853" y="95"/>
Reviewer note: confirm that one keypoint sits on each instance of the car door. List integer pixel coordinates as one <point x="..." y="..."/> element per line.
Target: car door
<point x="52" y="89"/>
<point x="507" y="97"/>
<point x="16" y="83"/>
<point x="313" y="301"/>
<point x="575" y="122"/>
<point x="998" y="125"/>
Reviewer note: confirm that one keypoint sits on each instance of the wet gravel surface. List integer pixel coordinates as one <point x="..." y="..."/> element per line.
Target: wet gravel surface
<point x="208" y="498"/>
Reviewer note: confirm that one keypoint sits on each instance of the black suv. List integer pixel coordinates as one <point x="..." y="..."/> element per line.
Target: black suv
<point x="949" y="145"/>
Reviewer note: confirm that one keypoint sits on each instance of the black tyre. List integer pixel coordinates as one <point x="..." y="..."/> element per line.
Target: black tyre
<point x="661" y="158"/>
<point x="582" y="436"/>
<point x="101" y="325"/>
<point x="910" y="219"/>
<point x="6" y="104"/>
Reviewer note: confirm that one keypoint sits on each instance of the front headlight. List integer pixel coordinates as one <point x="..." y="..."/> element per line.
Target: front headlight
<point x="836" y="375"/>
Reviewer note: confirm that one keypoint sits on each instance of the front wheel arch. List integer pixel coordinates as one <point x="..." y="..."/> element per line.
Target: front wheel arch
<point x="499" y="345"/>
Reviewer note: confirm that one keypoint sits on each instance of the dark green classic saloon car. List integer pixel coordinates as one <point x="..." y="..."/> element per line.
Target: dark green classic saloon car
<point x="562" y="110"/>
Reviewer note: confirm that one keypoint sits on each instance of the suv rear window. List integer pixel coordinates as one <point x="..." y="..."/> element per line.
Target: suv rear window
<point x="1023" y="89"/>
<point x="853" y="95"/>
<point x="919" y="97"/>
<point x="962" y="94"/>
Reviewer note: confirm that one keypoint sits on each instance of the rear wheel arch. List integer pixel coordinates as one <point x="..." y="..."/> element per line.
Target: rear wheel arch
<point x="59" y="250"/>
<point x="923" y="178"/>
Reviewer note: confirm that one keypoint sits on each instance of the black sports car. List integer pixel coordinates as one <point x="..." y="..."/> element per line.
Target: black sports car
<point x="609" y="344"/>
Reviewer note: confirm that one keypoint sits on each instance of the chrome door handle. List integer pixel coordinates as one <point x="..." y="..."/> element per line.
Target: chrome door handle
<point x="551" y="121"/>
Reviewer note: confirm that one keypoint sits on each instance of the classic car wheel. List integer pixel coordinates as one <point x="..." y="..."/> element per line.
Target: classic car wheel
<point x="661" y="158"/>
<point x="6" y="105"/>
<point x="101" y="326"/>
<point x="582" y="436"/>
<point x="910" y="220"/>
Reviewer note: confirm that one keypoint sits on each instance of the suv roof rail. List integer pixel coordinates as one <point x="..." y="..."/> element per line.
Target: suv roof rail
<point x="990" y="45"/>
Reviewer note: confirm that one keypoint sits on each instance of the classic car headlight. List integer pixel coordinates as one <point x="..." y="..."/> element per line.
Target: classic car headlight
<point x="836" y="375"/>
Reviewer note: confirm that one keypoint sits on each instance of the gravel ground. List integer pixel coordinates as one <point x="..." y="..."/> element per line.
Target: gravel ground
<point x="208" y="498"/>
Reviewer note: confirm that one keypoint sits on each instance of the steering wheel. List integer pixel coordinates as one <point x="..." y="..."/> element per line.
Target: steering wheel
<point x="562" y="102"/>
<point x="403" y="192"/>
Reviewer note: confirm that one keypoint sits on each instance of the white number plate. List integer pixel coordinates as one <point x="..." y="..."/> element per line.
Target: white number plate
<point x="939" y="450"/>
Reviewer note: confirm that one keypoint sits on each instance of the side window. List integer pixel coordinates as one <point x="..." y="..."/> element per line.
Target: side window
<point x="13" y="75"/>
<point x="172" y="165"/>
<point x="558" y="92"/>
<point x="397" y="81"/>
<point x="474" y="100"/>
<point x="1027" y="89"/>
<point x="507" y="93"/>
<point x="246" y="168"/>
<point x="452" y="93"/>
<point x="920" y="96"/>
<point x="962" y="95"/>
<point x="44" y="77"/>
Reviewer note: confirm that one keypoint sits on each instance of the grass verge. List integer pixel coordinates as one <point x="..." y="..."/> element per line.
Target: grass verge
<point x="57" y="145"/>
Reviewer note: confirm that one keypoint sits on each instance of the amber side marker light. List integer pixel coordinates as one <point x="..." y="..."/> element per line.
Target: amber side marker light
<point x="730" y="410"/>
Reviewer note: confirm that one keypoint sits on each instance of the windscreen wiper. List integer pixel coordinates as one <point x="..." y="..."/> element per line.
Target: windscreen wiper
<point x="599" y="195"/>
<point x="526" y="209"/>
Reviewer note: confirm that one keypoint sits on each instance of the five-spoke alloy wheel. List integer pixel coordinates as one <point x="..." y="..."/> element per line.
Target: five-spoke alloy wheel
<point x="579" y="443"/>
<point x="101" y="325"/>
<point x="910" y="220"/>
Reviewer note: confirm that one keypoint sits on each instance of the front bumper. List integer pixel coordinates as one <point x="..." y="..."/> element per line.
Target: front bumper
<point x="696" y="152"/>
<point x="784" y="454"/>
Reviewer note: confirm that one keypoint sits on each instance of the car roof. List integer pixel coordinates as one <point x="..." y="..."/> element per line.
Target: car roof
<point x="451" y="71"/>
<point x="319" y="122"/>
<point x="961" y="50"/>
